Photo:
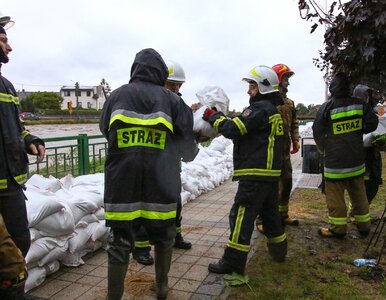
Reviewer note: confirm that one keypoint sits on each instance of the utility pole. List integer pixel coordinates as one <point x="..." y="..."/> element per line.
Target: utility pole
<point x="76" y="93"/>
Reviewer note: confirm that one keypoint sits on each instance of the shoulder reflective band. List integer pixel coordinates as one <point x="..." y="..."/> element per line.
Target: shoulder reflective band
<point x="346" y="111"/>
<point x="141" y="137"/>
<point x="131" y="117"/>
<point x="347" y="126"/>
<point x="240" y="125"/>
<point x="9" y="98"/>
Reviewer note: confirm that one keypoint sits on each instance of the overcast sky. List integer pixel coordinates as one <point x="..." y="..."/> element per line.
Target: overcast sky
<point x="217" y="42"/>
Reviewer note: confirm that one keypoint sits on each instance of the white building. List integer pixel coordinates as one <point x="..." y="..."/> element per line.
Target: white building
<point x="88" y="97"/>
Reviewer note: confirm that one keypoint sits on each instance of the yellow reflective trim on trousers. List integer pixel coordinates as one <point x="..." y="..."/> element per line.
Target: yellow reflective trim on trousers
<point x="366" y="177"/>
<point x="218" y="121"/>
<point x="144" y="122"/>
<point x="132" y="215"/>
<point x="21" y="179"/>
<point x="142" y="244"/>
<point x="277" y="239"/>
<point x="344" y="175"/>
<point x="239" y="247"/>
<point x="240" y="125"/>
<point x="9" y="98"/>
<point x="141" y="137"/>
<point x="347" y="126"/>
<point x="3" y="184"/>
<point x="238" y="224"/>
<point x="362" y="218"/>
<point x="256" y="172"/>
<point x="337" y="221"/>
<point x="24" y="133"/>
<point x="283" y="208"/>
<point x="178" y="229"/>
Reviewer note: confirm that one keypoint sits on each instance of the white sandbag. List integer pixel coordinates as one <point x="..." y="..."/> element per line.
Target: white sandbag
<point x="90" y="179"/>
<point x="54" y="255"/>
<point x="90" y="192"/>
<point x="52" y="267"/>
<point x="58" y="224"/>
<point x="67" y="181"/>
<point x="214" y="96"/>
<point x="201" y="126"/>
<point x="72" y="259"/>
<point x="100" y="213"/>
<point x="99" y="231"/>
<point x="42" y="247"/>
<point x="35" y="234"/>
<point x="36" y="277"/>
<point x="51" y="183"/>
<point x="89" y="218"/>
<point x="82" y="235"/>
<point x="185" y="197"/>
<point x="40" y="204"/>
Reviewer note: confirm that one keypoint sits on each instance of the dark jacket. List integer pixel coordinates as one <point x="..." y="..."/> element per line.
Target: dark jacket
<point x="338" y="132"/>
<point x="149" y="129"/>
<point x="257" y="136"/>
<point x="14" y="140"/>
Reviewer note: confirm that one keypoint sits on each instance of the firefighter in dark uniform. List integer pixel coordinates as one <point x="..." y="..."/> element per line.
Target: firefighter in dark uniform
<point x="149" y="129"/>
<point x="257" y="155"/>
<point x="338" y="132"/>
<point x="15" y="143"/>
<point x="373" y="158"/>
<point x="142" y="245"/>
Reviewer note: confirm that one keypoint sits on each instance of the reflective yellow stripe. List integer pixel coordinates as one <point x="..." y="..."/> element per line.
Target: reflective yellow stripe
<point x="362" y="218"/>
<point x="240" y="125"/>
<point x="139" y="121"/>
<point x="24" y="133"/>
<point x="3" y="184"/>
<point x="275" y="121"/>
<point x="142" y="244"/>
<point x="178" y="229"/>
<point x="21" y="179"/>
<point x="238" y="247"/>
<point x="141" y="137"/>
<point x="218" y="121"/>
<point x="344" y="175"/>
<point x="337" y="221"/>
<point x="9" y="98"/>
<point x="277" y="239"/>
<point x="256" y="172"/>
<point x="132" y="215"/>
<point x="346" y="111"/>
<point x="283" y="208"/>
<point x="238" y="223"/>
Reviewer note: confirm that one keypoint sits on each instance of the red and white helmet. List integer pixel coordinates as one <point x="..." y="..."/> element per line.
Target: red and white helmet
<point x="281" y="70"/>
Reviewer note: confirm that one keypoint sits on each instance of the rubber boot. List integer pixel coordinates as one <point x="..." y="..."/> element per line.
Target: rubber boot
<point x="278" y="251"/>
<point x="162" y="267"/>
<point x="115" y="281"/>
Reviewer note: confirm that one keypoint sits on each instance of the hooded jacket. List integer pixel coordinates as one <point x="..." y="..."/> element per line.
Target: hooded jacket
<point x="257" y="136"/>
<point x="149" y="129"/>
<point x="14" y="140"/>
<point x="338" y="131"/>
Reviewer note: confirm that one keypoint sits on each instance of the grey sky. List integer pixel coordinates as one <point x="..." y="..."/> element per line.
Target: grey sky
<point x="216" y="41"/>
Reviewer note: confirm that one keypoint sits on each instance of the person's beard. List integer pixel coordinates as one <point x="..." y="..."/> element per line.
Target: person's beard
<point x="3" y="58"/>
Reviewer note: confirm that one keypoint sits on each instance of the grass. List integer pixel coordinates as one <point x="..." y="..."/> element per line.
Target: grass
<point x="316" y="268"/>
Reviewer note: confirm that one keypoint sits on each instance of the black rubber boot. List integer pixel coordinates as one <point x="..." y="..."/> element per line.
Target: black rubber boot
<point x="180" y="243"/>
<point x="163" y="260"/>
<point x="115" y="281"/>
<point x="278" y="251"/>
<point x="144" y="259"/>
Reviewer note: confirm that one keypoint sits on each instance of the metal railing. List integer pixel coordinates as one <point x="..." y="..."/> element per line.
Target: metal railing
<point x="76" y="155"/>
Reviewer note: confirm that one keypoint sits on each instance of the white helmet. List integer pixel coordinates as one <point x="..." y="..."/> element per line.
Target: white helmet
<point x="5" y="21"/>
<point x="176" y="72"/>
<point x="265" y="77"/>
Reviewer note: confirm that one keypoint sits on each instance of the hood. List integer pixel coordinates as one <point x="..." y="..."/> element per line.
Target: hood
<point x="360" y="91"/>
<point x="339" y="86"/>
<point x="149" y="66"/>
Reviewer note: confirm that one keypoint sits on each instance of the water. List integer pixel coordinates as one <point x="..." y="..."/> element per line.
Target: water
<point x="61" y="130"/>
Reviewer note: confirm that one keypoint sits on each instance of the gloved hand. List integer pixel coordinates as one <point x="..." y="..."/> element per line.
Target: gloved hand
<point x="295" y="146"/>
<point x="207" y="113"/>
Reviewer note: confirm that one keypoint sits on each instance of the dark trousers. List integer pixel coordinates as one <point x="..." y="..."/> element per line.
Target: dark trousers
<point x="252" y="198"/>
<point x="14" y="212"/>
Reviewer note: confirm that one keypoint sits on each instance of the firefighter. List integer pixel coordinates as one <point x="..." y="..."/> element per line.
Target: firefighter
<point x="338" y="132"/>
<point x="257" y="137"/>
<point x="373" y="158"/>
<point x="142" y="245"/>
<point x="149" y="129"/>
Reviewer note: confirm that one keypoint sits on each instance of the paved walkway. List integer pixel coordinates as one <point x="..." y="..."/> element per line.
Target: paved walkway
<point x="205" y="224"/>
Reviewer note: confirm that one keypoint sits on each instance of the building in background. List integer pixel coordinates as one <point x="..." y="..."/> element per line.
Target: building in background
<point x="86" y="97"/>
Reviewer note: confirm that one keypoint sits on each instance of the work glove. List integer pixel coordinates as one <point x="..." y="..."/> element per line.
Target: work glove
<point x="295" y="146"/>
<point x="208" y="112"/>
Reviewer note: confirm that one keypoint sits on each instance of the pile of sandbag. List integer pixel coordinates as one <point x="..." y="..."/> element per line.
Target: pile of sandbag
<point x="66" y="220"/>
<point x="66" y="216"/>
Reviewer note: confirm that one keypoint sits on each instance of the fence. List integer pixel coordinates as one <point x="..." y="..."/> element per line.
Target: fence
<point x="76" y="155"/>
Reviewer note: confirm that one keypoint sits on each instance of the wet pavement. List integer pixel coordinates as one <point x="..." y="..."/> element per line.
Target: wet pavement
<point x="205" y="224"/>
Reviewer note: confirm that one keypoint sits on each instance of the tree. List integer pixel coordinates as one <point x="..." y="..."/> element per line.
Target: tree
<point x="301" y="109"/>
<point x="106" y="87"/>
<point x="41" y="100"/>
<point x="354" y="39"/>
